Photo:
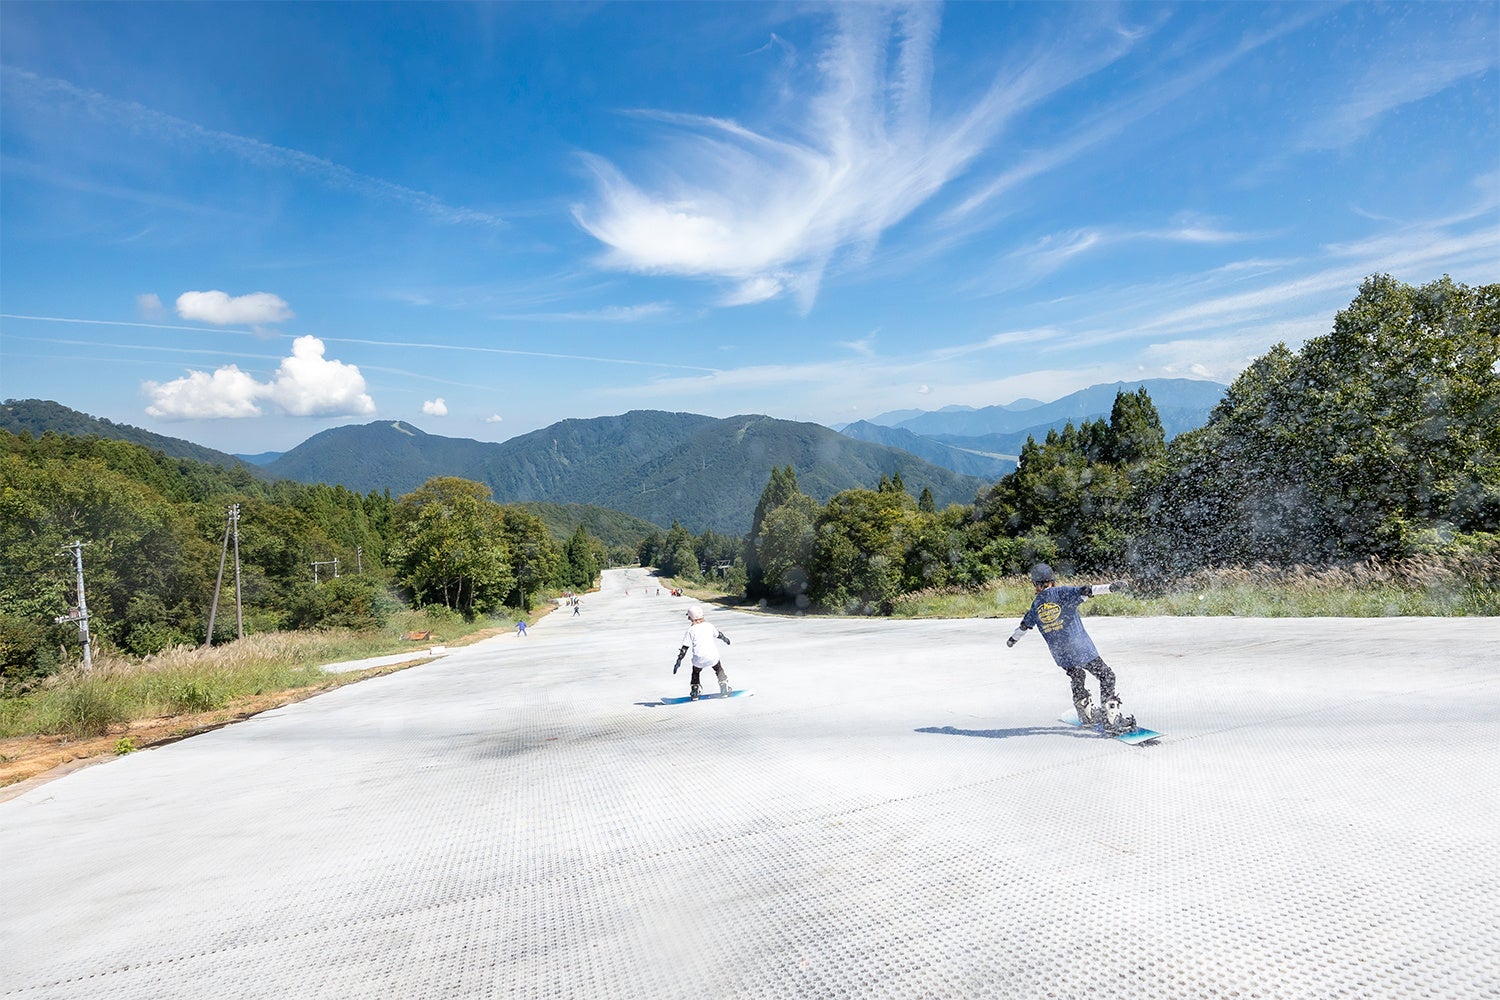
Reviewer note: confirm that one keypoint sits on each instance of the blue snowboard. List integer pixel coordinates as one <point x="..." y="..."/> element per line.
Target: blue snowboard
<point x="1135" y="737"/>
<point x="715" y="696"/>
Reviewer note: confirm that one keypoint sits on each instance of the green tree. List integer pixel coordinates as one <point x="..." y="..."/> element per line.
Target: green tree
<point x="451" y="547"/>
<point x="859" y="549"/>
<point x="1371" y="436"/>
<point x="677" y="558"/>
<point x="787" y="536"/>
<point x="781" y="487"/>
<point x="580" y="564"/>
<point x="534" y="558"/>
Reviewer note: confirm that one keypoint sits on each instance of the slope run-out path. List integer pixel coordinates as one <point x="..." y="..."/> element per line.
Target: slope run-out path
<point x="895" y="813"/>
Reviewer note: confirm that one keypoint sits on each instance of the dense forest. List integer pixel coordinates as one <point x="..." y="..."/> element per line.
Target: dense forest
<point x="1378" y="441"/>
<point x="156" y="535"/>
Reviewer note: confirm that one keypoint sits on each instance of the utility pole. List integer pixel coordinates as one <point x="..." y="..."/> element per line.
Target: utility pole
<point x="232" y="526"/>
<point x="331" y="562"/>
<point x="239" y="613"/>
<point x="79" y="614"/>
<point x="359" y="560"/>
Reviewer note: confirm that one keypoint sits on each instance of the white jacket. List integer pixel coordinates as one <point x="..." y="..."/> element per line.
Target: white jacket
<point x="699" y="639"/>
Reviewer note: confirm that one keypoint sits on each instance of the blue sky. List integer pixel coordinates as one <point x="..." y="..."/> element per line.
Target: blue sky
<point x="243" y="223"/>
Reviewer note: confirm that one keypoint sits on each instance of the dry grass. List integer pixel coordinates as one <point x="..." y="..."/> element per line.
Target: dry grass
<point x="1465" y="583"/>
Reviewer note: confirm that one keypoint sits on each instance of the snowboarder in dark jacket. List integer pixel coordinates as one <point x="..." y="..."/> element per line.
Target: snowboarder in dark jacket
<point x="1055" y="612"/>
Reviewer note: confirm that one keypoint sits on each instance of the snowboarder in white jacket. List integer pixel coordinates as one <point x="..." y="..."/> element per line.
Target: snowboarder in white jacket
<point x="699" y="639"/>
<point x="1055" y="612"/>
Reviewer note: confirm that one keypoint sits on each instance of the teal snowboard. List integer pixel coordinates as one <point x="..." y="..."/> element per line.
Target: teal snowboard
<point x="715" y="696"/>
<point x="1135" y="737"/>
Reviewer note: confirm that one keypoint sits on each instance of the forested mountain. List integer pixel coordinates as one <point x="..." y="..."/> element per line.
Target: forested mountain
<point x="704" y="472"/>
<point x="38" y="416"/>
<point x="614" y="529"/>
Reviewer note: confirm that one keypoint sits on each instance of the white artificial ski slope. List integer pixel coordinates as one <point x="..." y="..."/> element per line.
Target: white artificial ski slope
<point x="896" y="813"/>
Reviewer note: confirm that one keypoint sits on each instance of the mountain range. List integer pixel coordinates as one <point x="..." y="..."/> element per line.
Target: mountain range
<point x="705" y="472"/>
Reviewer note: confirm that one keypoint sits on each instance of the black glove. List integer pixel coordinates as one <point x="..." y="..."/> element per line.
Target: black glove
<point x="676" y="665"/>
<point x="1119" y="587"/>
<point x="1011" y="641"/>
<point x="726" y="639"/>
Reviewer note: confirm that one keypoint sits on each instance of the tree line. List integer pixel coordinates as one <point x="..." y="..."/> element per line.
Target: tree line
<point x="154" y="528"/>
<point x="1378" y="440"/>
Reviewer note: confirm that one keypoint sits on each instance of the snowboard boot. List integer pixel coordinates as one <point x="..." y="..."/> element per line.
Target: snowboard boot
<point x="724" y="687"/>
<point x="696" y="691"/>
<point x="1115" y="719"/>
<point x="1087" y="714"/>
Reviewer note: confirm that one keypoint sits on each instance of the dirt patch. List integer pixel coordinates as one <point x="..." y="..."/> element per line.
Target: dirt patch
<point x="28" y="761"/>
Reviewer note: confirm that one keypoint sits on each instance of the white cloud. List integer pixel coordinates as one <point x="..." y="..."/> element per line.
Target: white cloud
<point x="149" y="306"/>
<point x="227" y="393"/>
<point x="309" y="385"/>
<point x="768" y="214"/>
<point x="305" y="385"/>
<point x="607" y="314"/>
<point x="223" y="309"/>
<point x="494" y="418"/>
<point x="1400" y="79"/>
<point x="435" y="407"/>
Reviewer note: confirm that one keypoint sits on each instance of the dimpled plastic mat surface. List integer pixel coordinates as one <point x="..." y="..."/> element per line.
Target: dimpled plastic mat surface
<point x="896" y="813"/>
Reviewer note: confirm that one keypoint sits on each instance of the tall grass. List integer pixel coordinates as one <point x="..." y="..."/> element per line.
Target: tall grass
<point x="188" y="680"/>
<point x="1417" y="586"/>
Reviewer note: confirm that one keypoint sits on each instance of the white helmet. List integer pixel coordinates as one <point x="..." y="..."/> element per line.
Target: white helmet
<point x="695" y="612"/>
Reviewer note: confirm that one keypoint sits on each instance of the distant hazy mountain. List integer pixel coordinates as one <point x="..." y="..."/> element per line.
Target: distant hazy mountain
<point x="984" y="442"/>
<point x="262" y="458"/>
<point x="37" y="416"/>
<point x="989" y="466"/>
<point x="896" y="418"/>
<point x="1183" y="404"/>
<point x="706" y="472"/>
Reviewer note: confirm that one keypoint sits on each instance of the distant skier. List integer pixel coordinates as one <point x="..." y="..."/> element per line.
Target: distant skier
<point x="1055" y="612"/>
<point x="699" y="638"/>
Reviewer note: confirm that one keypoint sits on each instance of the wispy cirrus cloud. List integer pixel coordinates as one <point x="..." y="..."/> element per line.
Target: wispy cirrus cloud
<point x="1398" y="79"/>
<point x="606" y="314"/>
<point x="49" y="97"/>
<point x="767" y="214"/>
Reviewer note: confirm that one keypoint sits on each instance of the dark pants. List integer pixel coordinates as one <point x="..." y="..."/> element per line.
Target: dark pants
<point x="1101" y="671"/>
<point x="718" y="672"/>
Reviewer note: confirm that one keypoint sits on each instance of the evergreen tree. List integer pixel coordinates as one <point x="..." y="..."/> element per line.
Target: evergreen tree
<point x="781" y="487"/>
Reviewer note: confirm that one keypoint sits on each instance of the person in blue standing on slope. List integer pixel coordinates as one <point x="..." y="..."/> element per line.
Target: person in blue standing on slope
<point x="1055" y="612"/>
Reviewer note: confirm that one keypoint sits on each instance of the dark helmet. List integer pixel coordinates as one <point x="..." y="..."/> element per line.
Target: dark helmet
<point x="1042" y="573"/>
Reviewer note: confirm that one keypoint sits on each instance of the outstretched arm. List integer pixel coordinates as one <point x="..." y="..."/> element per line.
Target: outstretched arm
<point x="1118" y="587"/>
<point x="680" y="654"/>
<point x="725" y="639"/>
<point x="1015" y="636"/>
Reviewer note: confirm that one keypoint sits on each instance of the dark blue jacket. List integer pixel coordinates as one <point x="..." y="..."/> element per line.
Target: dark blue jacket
<point x="1055" y="612"/>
